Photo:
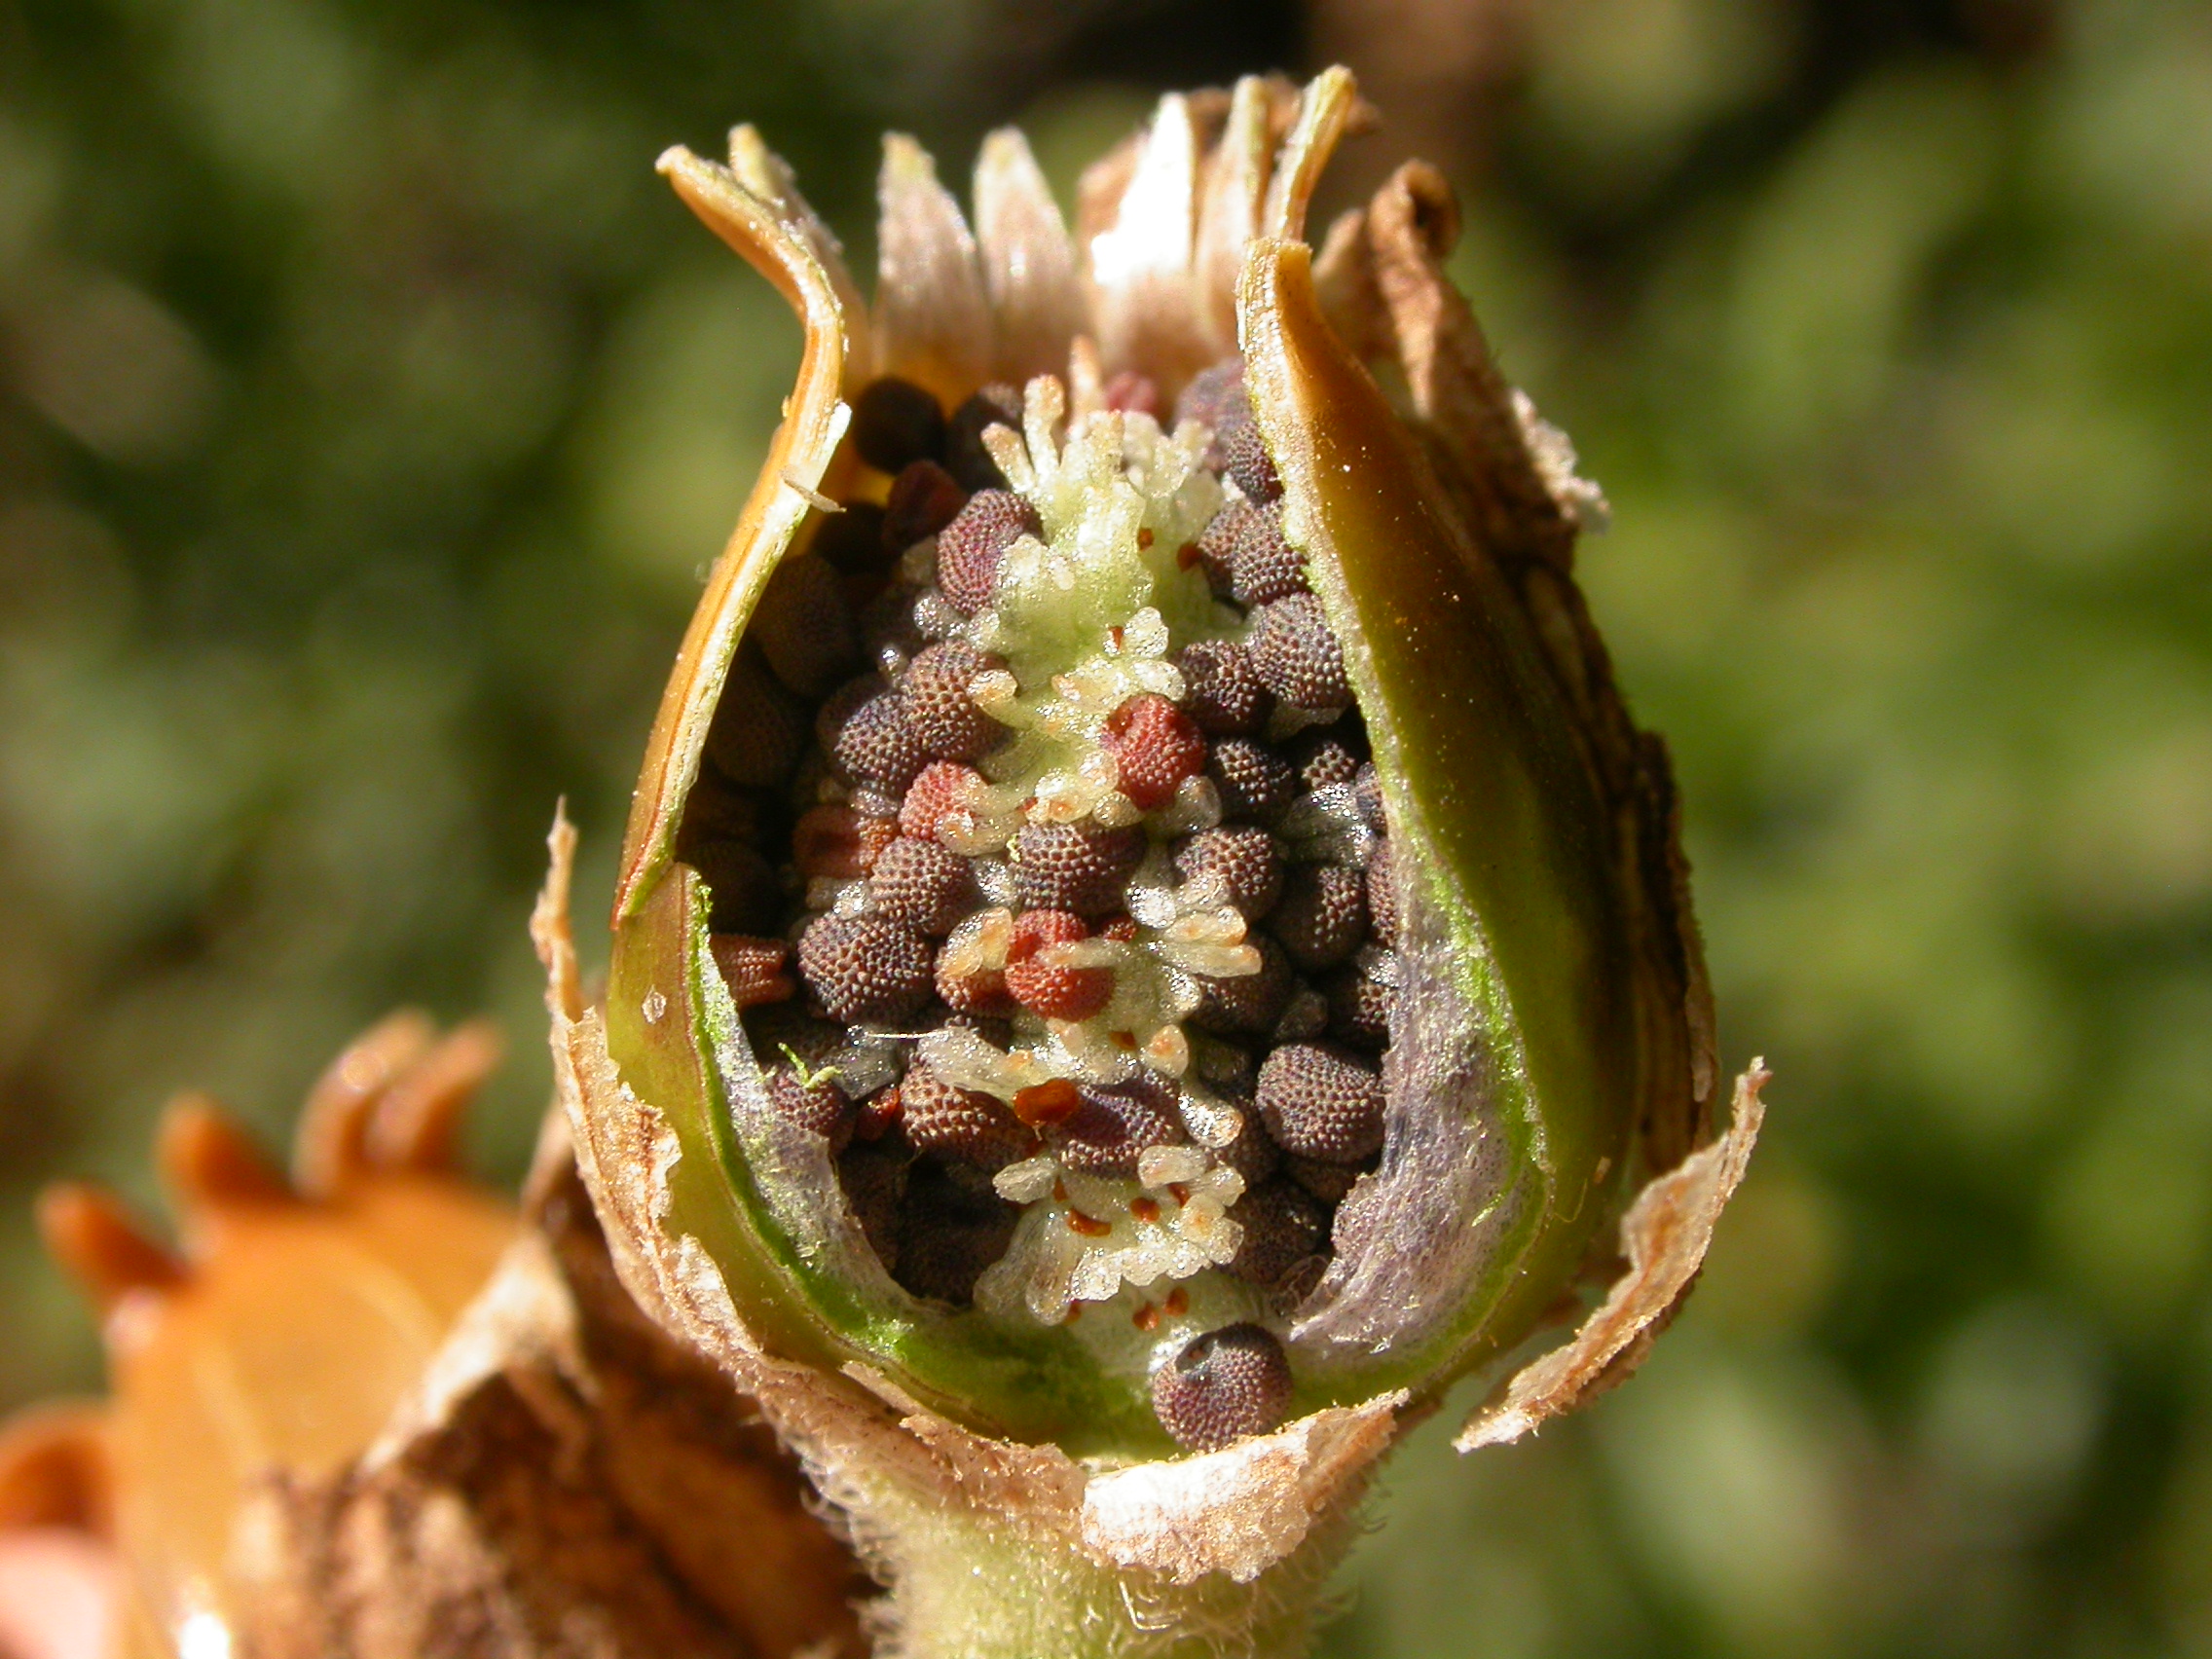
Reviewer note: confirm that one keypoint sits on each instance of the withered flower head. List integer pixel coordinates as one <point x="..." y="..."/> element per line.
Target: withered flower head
<point x="1222" y="886"/>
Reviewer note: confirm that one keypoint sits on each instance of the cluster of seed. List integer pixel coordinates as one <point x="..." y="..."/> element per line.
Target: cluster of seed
<point x="885" y="912"/>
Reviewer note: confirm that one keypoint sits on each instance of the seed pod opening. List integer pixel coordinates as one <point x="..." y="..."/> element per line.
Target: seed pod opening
<point x="1236" y="797"/>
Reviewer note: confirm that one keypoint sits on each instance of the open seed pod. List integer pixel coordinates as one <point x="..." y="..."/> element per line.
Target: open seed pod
<point x="1145" y="928"/>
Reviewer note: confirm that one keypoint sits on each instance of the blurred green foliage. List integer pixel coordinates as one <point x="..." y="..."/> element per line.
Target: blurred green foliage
<point x="368" y="414"/>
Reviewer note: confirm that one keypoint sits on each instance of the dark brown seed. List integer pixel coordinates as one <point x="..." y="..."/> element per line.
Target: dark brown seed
<point x="1323" y="758"/>
<point x="1382" y="897"/>
<point x="962" y="1124"/>
<point x="1327" y="1182"/>
<point x="948" y="1234"/>
<point x="923" y="500"/>
<point x="945" y="718"/>
<point x="1253" y="780"/>
<point x="874" y="1175"/>
<point x="1215" y="550"/>
<point x="1058" y="867"/>
<point x="1282" y="1227"/>
<point x="1050" y="990"/>
<point x="1245" y="859"/>
<point x="818" y="1106"/>
<point x="1221" y="689"/>
<point x="1263" y="566"/>
<point x="1245" y="1005"/>
<point x="759" y="729"/>
<point x="877" y="744"/>
<point x="746" y="895"/>
<point x="1321" y="1102"/>
<point x="1252" y="1155"/>
<point x="836" y="842"/>
<point x="1297" y="657"/>
<point x="806" y="628"/>
<point x="1154" y="747"/>
<point x="753" y="969"/>
<point x="853" y="539"/>
<point x="864" y="971"/>
<point x="1225" y="1385"/>
<point x="1209" y="397"/>
<point x="896" y="423"/>
<point x="1322" y="918"/>
<point x="1304" y="1016"/>
<point x="920" y="885"/>
<point x="1244" y="456"/>
<point x="996" y="405"/>
<point x="970" y="547"/>
<point x="1111" y="1126"/>
<point x="1367" y="791"/>
<point x="1359" y="1008"/>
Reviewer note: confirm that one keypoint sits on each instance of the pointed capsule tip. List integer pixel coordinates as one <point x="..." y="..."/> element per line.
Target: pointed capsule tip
<point x="101" y="1245"/>
<point x="208" y="1162"/>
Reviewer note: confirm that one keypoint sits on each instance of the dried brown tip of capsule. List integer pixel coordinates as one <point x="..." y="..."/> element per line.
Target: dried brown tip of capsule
<point x="919" y="885"/>
<point x="1154" y="747"/>
<point x="945" y="717"/>
<point x="1226" y="1384"/>
<point x="1111" y="1126"/>
<point x="100" y="1245"/>
<point x="1263" y="566"/>
<point x="995" y="405"/>
<point x="836" y="842"/>
<point x="864" y="971"/>
<point x="1222" y="691"/>
<point x="759" y="729"/>
<point x="753" y="969"/>
<point x="876" y="744"/>
<point x="968" y="549"/>
<point x="1321" y="1102"/>
<point x="56" y="1470"/>
<point x="1322" y="916"/>
<point x="1047" y="989"/>
<point x="1244" y="860"/>
<point x="896" y="422"/>
<point x="1059" y="867"/>
<point x="1297" y="657"/>
<point x="924" y="498"/>
<point x="806" y="628"/>
<point x="1283" y="1227"/>
<point x="208" y="1162"/>
<point x="417" y="1119"/>
<point x="1245" y="1005"/>
<point x="814" y="1104"/>
<point x="327" y="1147"/>
<point x="1252" y="780"/>
<point x="960" y="1123"/>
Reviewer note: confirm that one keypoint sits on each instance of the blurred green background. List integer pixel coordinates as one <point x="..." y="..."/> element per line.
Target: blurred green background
<point x="369" y="410"/>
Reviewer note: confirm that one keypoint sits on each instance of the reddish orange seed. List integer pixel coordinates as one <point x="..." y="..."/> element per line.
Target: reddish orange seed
<point x="1178" y="1192"/>
<point x="1146" y="1318"/>
<point x="1145" y="1209"/>
<point x="1178" y="1302"/>
<point x="1144" y="539"/>
<point x="1090" y="1227"/>
<point x="1044" y="1104"/>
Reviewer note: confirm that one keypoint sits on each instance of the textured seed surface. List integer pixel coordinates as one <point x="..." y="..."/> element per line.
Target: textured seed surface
<point x="1263" y="566"/>
<point x="745" y="895"/>
<point x="1212" y="397"/>
<point x="834" y="841"/>
<point x="874" y="1176"/>
<point x="946" y="719"/>
<point x="1245" y="1005"/>
<point x="1245" y="456"/>
<point x="804" y="626"/>
<point x="1244" y="858"/>
<point x="1254" y="780"/>
<point x="1226" y="1384"/>
<point x="948" y="1234"/>
<point x="864" y="971"/>
<point x="877" y="744"/>
<point x="753" y="969"/>
<point x="1215" y="550"/>
<point x="1327" y="1182"/>
<point x="939" y="789"/>
<point x="1282" y="1228"/>
<point x="920" y="885"/>
<point x="1111" y="1126"/>
<point x="1296" y="656"/>
<point x="1326" y="758"/>
<point x="759" y="730"/>
<point x="894" y="423"/>
<point x="853" y="541"/>
<point x="961" y="1124"/>
<point x="1382" y="897"/>
<point x="924" y="498"/>
<point x="1062" y="866"/>
<point x="1222" y="691"/>
<point x="816" y="1105"/>
<point x="1321" y="1102"/>
<point x="1054" y="990"/>
<point x="1154" y="747"/>
<point x="968" y="549"/>
<point x="1322" y="916"/>
<point x="1359" y="1008"/>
